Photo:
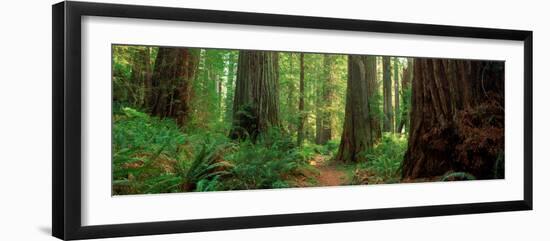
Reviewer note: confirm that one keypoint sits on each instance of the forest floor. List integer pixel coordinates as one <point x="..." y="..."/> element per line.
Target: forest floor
<point x="329" y="174"/>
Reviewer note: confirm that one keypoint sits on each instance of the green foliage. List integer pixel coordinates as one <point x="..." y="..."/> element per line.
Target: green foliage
<point x="331" y="147"/>
<point x="143" y="152"/>
<point x="208" y="185"/>
<point x="383" y="161"/>
<point x="268" y="163"/>
<point x="137" y="131"/>
<point x="151" y="155"/>
<point x="213" y="88"/>
<point x="128" y="72"/>
<point x="375" y="105"/>
<point x="406" y="94"/>
<point x="308" y="150"/>
<point x="207" y="165"/>
<point x="318" y="103"/>
<point x="155" y="155"/>
<point x="121" y="78"/>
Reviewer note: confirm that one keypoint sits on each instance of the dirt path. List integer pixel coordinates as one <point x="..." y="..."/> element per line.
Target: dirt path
<point x="329" y="175"/>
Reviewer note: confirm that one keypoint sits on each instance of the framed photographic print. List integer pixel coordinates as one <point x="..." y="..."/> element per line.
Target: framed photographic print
<point x="170" y="120"/>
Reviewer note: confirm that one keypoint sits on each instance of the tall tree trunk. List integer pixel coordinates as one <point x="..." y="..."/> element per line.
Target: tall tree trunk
<point x="396" y="91"/>
<point x="374" y="97"/>
<point x="219" y="91"/>
<point x="171" y="83"/>
<point x="290" y="104"/>
<point x="256" y="102"/>
<point x="361" y="129"/>
<point x="318" y="111"/>
<point x="457" y="119"/>
<point x="147" y="85"/>
<point x="301" y="113"/>
<point x="327" y="115"/>
<point x="276" y="67"/>
<point x="230" y="86"/>
<point x="406" y="79"/>
<point x="388" y="112"/>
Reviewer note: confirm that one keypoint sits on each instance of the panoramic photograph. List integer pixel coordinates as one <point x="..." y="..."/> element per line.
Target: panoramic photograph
<point x="199" y="120"/>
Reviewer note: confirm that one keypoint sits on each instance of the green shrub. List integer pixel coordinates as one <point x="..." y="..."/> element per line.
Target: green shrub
<point x="137" y="131"/>
<point x="332" y="146"/>
<point x="207" y="166"/>
<point x="383" y="163"/>
<point x="308" y="151"/>
<point x="152" y="155"/>
<point x="268" y="163"/>
<point x="143" y="149"/>
<point x="208" y="185"/>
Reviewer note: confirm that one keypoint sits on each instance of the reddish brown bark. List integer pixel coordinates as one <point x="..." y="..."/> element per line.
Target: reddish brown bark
<point x="171" y="85"/>
<point x="256" y="102"/>
<point x="457" y="119"/>
<point x="361" y="126"/>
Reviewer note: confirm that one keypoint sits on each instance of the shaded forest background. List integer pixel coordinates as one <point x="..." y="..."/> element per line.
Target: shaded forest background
<point x="189" y="119"/>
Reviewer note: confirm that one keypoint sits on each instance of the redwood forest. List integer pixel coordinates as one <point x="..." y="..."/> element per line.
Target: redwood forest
<point x="196" y="120"/>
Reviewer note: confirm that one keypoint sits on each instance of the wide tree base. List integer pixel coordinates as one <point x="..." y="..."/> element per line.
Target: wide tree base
<point x="457" y="119"/>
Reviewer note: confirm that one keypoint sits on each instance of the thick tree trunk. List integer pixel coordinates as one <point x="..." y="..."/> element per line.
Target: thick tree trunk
<point x="171" y="83"/>
<point x="361" y="127"/>
<point x="388" y="112"/>
<point x="457" y="119"/>
<point x="256" y="102"/>
<point x="301" y="113"/>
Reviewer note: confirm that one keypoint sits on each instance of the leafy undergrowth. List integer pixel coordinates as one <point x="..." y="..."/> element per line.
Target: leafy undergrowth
<point x="144" y="151"/>
<point x="152" y="155"/>
<point x="383" y="161"/>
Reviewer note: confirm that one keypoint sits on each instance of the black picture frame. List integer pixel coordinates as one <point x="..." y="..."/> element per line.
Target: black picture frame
<point x="66" y="129"/>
